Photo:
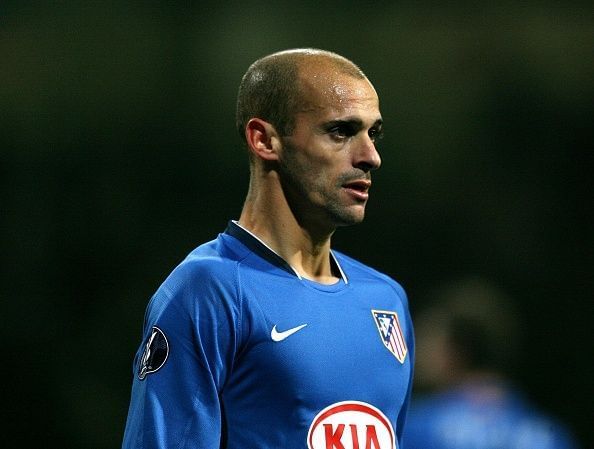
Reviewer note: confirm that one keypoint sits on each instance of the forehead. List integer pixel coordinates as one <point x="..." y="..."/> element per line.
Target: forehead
<point x="330" y="91"/>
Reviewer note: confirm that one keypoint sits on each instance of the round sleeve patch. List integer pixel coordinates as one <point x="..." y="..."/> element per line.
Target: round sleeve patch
<point x="155" y="353"/>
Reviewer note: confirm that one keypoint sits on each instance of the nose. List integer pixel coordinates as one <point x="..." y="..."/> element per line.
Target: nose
<point x="366" y="156"/>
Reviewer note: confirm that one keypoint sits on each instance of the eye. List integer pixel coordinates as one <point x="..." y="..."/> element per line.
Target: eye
<point x="341" y="131"/>
<point x="376" y="134"/>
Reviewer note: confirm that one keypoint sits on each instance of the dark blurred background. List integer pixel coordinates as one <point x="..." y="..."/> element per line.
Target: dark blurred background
<point x="119" y="155"/>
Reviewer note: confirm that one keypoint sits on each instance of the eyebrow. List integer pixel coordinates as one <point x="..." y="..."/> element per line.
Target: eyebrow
<point x="353" y="121"/>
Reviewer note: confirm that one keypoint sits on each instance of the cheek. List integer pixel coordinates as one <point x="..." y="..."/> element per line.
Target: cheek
<point x="322" y="179"/>
<point x="302" y="174"/>
<point x="311" y="170"/>
<point x="311" y="165"/>
<point x="325" y="167"/>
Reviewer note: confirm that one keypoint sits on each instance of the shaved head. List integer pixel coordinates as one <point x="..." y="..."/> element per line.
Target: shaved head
<point x="276" y="86"/>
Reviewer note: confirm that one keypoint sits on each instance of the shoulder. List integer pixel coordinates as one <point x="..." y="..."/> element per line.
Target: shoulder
<point x="214" y="262"/>
<point x="207" y="275"/>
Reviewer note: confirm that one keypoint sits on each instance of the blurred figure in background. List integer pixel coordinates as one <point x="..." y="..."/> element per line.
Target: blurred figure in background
<point x="467" y="342"/>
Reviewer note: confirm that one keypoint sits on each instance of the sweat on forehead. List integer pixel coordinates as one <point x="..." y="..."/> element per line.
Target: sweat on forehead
<point x="326" y="76"/>
<point x="333" y="90"/>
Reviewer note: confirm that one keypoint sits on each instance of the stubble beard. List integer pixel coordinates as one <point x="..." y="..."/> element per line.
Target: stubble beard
<point x="312" y="198"/>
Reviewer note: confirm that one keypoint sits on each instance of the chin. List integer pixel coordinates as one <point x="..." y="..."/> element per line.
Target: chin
<point x="349" y="219"/>
<point x="345" y="215"/>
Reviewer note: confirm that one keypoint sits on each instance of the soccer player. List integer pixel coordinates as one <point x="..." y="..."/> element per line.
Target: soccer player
<point x="467" y="343"/>
<point x="265" y="337"/>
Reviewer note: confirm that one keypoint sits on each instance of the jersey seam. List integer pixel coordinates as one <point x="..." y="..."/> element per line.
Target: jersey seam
<point x="238" y="334"/>
<point x="239" y="329"/>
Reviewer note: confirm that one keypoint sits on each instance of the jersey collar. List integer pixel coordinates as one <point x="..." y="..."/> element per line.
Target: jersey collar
<point x="256" y="245"/>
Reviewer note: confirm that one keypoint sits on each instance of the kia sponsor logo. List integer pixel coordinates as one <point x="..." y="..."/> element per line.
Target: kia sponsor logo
<point x="351" y="425"/>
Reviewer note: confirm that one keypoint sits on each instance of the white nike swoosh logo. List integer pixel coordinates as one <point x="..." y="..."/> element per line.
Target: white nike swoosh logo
<point x="280" y="336"/>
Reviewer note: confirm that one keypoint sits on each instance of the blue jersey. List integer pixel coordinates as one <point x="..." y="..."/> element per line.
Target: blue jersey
<point x="482" y="416"/>
<point x="240" y="352"/>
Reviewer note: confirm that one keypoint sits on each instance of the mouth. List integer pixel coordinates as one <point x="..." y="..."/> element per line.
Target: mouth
<point x="359" y="189"/>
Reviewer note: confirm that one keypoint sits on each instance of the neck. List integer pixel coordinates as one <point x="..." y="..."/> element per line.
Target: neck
<point x="267" y="214"/>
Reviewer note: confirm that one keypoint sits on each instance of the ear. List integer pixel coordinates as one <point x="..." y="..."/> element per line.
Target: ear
<point x="262" y="139"/>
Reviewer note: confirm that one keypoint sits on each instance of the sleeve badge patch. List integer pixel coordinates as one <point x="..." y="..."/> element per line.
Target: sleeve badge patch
<point x="155" y="353"/>
<point x="391" y="333"/>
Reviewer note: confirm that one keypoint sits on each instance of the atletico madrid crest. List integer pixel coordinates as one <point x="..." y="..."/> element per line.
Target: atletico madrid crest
<point x="391" y="333"/>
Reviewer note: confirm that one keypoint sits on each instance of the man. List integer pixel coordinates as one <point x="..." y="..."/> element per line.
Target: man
<point x="265" y="337"/>
<point x="467" y="342"/>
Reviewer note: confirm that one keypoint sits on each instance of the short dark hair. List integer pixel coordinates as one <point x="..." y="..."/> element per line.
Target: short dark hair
<point x="270" y="88"/>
